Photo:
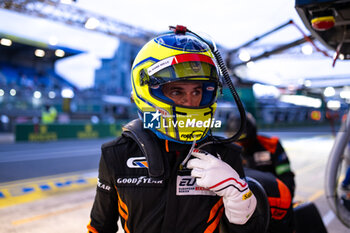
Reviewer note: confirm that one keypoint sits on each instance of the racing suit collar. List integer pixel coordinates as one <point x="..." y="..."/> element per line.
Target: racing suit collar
<point x="171" y="146"/>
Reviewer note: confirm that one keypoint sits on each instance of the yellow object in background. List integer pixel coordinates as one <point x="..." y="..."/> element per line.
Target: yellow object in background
<point x="48" y="115"/>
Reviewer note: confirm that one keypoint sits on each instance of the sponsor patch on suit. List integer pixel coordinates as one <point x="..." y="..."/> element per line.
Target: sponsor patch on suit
<point x="187" y="185"/>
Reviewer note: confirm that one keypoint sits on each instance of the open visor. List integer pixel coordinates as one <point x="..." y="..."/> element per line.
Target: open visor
<point x="191" y="76"/>
<point x="183" y="66"/>
<point x="192" y="94"/>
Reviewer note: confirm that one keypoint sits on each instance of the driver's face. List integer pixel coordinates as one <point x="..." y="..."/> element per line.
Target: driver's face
<point x="184" y="93"/>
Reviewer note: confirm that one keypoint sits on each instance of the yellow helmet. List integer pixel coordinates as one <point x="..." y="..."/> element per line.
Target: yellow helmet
<point x="175" y="57"/>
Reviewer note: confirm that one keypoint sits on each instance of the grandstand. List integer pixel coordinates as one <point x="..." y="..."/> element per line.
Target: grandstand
<point x="28" y="80"/>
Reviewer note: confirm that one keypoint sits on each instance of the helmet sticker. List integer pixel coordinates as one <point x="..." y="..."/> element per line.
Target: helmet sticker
<point x="196" y="66"/>
<point x="194" y="60"/>
<point x="160" y="65"/>
<point x="210" y="88"/>
<point x="163" y="112"/>
<point x="155" y="86"/>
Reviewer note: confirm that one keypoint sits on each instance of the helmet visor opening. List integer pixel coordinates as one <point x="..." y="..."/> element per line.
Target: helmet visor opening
<point x="195" y="66"/>
<point x="186" y="93"/>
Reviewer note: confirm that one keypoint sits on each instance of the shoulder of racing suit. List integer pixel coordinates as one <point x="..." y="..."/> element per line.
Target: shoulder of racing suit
<point x="270" y="143"/>
<point x="114" y="142"/>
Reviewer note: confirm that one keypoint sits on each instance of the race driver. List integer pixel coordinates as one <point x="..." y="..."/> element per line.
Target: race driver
<point x="151" y="177"/>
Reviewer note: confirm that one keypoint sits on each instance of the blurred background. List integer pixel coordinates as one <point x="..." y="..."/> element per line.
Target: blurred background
<point x="75" y="56"/>
<point x="65" y="85"/>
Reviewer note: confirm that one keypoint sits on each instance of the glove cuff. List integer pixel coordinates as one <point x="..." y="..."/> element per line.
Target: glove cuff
<point x="239" y="208"/>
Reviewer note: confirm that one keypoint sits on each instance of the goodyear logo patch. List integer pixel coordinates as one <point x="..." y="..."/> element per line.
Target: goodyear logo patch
<point x="139" y="181"/>
<point x="247" y="195"/>
<point x="27" y="191"/>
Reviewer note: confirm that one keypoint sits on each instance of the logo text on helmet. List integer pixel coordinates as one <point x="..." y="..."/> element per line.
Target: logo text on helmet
<point x="159" y="65"/>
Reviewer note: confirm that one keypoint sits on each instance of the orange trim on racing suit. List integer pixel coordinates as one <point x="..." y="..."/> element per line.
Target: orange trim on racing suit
<point x="280" y="205"/>
<point x="217" y="211"/>
<point x="123" y="211"/>
<point x="91" y="229"/>
<point x="270" y="144"/>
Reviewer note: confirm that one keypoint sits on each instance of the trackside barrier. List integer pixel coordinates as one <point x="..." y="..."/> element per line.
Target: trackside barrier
<point x="53" y="132"/>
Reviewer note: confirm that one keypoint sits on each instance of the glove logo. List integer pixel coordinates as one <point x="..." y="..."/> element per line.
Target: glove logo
<point x="247" y="195"/>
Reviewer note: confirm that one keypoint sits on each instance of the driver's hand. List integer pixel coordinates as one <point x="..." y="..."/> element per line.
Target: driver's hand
<point x="216" y="175"/>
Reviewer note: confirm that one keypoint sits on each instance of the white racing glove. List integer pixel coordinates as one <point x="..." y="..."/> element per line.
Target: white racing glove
<point x="219" y="177"/>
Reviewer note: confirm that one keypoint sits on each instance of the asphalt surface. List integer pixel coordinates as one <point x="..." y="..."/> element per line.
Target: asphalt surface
<point x="29" y="160"/>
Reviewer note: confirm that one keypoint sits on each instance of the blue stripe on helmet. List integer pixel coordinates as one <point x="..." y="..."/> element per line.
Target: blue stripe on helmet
<point x="145" y="60"/>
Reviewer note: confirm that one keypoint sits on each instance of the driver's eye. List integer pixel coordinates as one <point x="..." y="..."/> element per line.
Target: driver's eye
<point x="196" y="93"/>
<point x="175" y="93"/>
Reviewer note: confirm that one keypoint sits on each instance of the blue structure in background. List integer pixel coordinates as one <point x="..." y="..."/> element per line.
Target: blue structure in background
<point x="114" y="75"/>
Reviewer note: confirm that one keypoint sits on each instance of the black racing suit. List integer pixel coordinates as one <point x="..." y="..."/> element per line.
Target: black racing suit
<point x="171" y="203"/>
<point x="266" y="161"/>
